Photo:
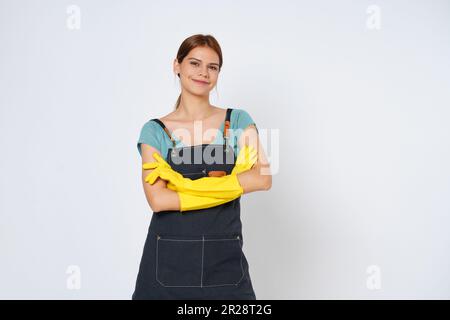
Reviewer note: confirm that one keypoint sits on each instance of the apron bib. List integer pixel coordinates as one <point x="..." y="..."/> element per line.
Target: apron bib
<point x="196" y="254"/>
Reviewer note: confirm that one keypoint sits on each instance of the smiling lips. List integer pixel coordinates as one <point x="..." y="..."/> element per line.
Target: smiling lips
<point x="200" y="82"/>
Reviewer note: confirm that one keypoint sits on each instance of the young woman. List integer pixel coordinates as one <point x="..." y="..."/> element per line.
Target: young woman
<point x="194" y="244"/>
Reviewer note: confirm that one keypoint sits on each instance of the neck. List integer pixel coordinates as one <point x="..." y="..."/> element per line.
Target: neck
<point x="193" y="107"/>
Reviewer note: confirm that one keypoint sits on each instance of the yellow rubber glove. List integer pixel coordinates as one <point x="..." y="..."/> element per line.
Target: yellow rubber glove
<point x="225" y="187"/>
<point x="244" y="161"/>
<point x="246" y="158"/>
<point x="190" y="202"/>
<point x="160" y="162"/>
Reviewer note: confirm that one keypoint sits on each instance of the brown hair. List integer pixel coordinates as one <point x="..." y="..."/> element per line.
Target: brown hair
<point x="197" y="40"/>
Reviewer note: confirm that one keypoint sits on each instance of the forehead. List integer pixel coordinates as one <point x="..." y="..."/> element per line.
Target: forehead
<point x="205" y="54"/>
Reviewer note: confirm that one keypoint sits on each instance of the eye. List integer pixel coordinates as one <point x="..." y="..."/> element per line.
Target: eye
<point x="214" y="68"/>
<point x="194" y="63"/>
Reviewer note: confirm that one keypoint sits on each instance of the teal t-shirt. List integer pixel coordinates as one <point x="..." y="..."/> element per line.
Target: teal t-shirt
<point x="153" y="135"/>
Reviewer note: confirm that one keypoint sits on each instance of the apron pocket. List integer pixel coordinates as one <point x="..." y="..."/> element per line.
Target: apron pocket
<point x="179" y="260"/>
<point x="222" y="261"/>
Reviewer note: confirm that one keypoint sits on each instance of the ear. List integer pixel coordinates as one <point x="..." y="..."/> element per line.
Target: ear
<point x="176" y="66"/>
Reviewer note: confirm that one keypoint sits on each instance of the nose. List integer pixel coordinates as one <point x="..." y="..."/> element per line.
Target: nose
<point x="204" y="71"/>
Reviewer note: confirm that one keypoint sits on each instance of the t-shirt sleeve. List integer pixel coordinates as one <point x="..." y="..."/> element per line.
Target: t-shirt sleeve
<point x="151" y="135"/>
<point x="240" y="119"/>
<point x="243" y="119"/>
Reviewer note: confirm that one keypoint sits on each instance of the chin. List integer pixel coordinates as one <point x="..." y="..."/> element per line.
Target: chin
<point x="201" y="91"/>
<point x="200" y="94"/>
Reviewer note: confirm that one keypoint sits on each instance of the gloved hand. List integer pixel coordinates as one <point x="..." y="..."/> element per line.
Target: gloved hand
<point x="245" y="160"/>
<point x="190" y="202"/>
<point x="225" y="187"/>
<point x="160" y="162"/>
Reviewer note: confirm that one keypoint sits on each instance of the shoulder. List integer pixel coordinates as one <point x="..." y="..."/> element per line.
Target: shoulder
<point x="150" y="126"/>
<point x="151" y="134"/>
<point x="239" y="112"/>
<point x="241" y="119"/>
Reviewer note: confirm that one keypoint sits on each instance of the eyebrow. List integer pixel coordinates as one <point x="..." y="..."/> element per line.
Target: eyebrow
<point x="201" y="60"/>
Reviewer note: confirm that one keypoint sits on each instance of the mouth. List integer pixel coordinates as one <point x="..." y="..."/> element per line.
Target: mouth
<point x="200" y="82"/>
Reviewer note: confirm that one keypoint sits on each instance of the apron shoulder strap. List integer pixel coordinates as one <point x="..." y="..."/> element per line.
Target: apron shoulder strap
<point x="227" y="126"/>
<point x="227" y="122"/>
<point x="163" y="126"/>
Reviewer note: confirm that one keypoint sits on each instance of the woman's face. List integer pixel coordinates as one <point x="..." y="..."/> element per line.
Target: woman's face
<point x="201" y="64"/>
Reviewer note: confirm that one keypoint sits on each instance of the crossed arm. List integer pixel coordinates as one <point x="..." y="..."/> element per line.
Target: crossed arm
<point x="160" y="198"/>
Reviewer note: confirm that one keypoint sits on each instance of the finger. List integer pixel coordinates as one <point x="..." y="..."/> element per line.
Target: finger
<point x="247" y="157"/>
<point x="253" y="158"/>
<point x="171" y="186"/>
<point x="169" y="175"/>
<point x="251" y="151"/>
<point x="160" y="160"/>
<point x="150" y="165"/>
<point x="247" y="150"/>
<point x="250" y="157"/>
<point x="152" y="176"/>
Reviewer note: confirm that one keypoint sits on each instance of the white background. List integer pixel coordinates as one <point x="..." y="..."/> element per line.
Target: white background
<point x="363" y="117"/>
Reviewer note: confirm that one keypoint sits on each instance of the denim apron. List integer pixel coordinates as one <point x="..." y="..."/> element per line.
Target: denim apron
<point x="196" y="254"/>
